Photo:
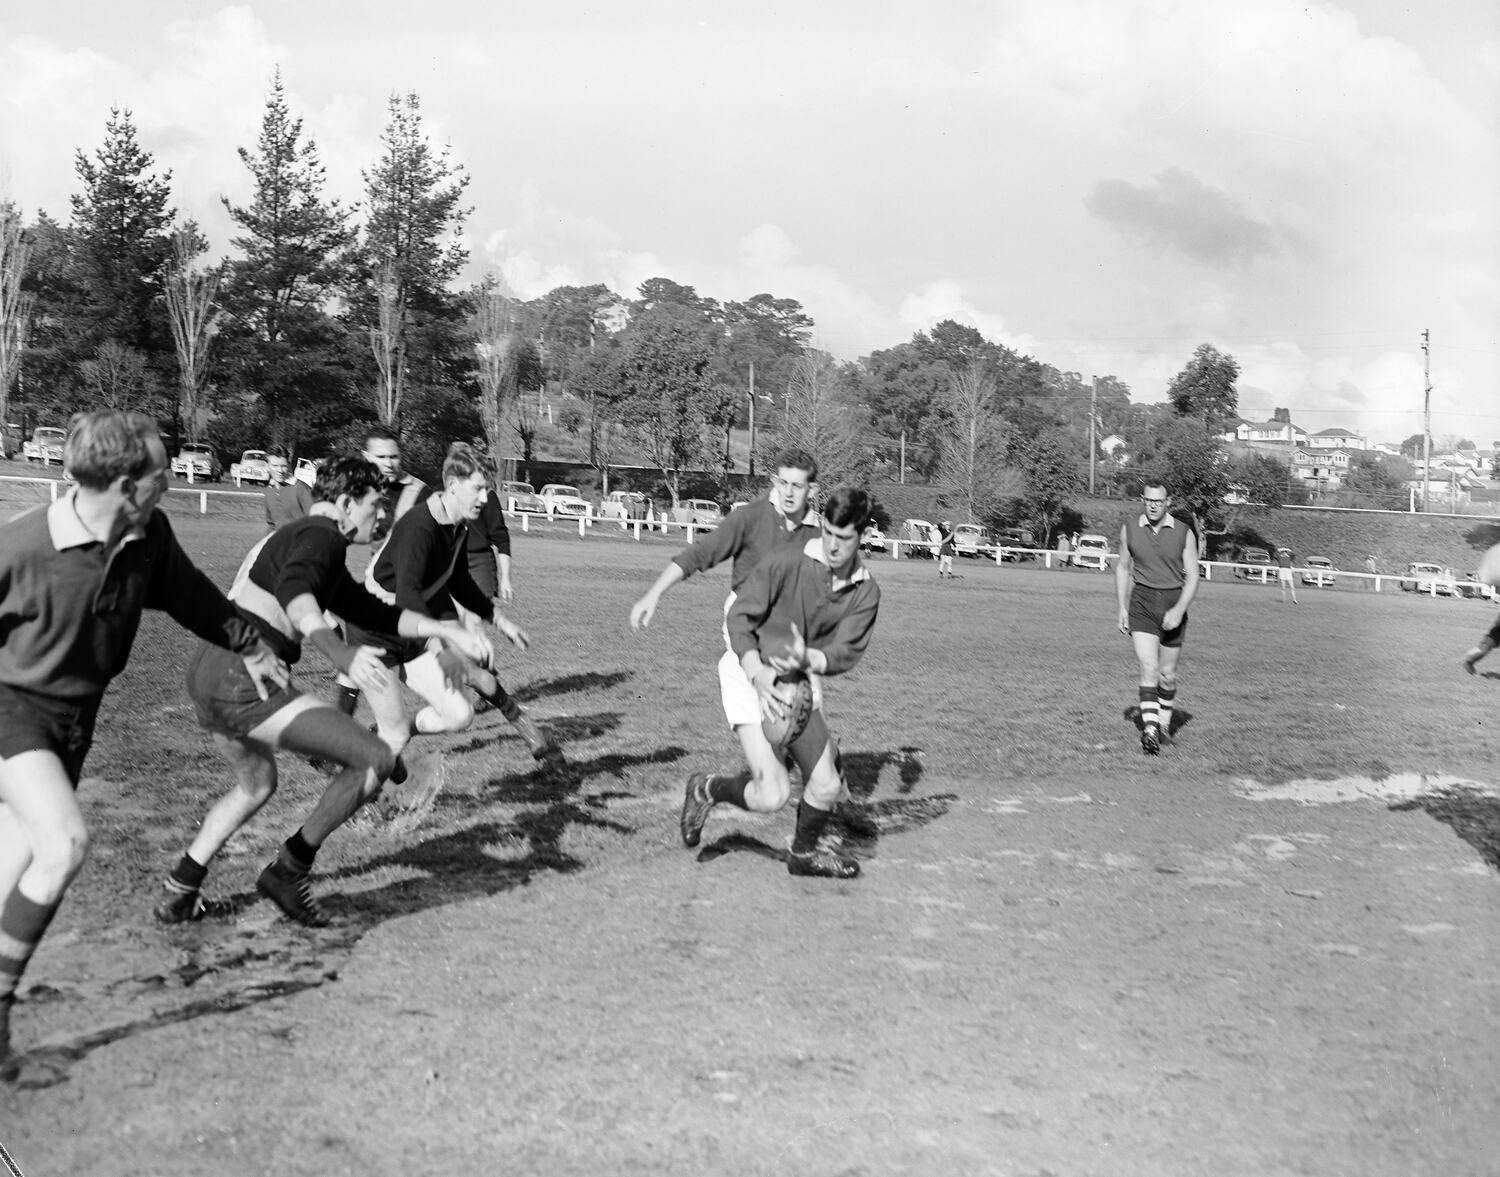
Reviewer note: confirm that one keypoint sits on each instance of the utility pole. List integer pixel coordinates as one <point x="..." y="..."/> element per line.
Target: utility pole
<point x="1426" y="419"/>
<point x="903" y="457"/>
<point x="1093" y="449"/>
<point x="752" y="419"/>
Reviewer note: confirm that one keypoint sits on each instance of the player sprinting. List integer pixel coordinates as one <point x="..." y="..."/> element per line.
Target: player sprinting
<point x="1155" y="580"/>
<point x="781" y="521"/>
<point x="284" y="586"/>
<point x="828" y="600"/>
<point x="75" y="577"/>
<point x="424" y="567"/>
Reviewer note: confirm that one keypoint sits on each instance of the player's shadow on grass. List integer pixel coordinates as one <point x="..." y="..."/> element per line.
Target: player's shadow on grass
<point x="565" y="729"/>
<point x="1473" y="816"/>
<point x="569" y="684"/>
<point x="1180" y="719"/>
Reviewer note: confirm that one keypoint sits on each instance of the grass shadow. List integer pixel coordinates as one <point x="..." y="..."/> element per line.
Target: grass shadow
<point x="1473" y="816"/>
<point x="1482" y="536"/>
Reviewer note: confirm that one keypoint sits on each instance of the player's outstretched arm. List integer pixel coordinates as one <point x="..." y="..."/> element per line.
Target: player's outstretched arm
<point x="1124" y="577"/>
<point x="644" y="610"/>
<point x="514" y="634"/>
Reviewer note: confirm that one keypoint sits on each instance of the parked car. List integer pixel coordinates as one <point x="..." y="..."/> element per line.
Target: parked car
<point x="972" y="539"/>
<point x="520" y="498"/>
<point x="199" y="461"/>
<point x="920" y="537"/>
<point x="1014" y="544"/>
<point x="1092" y="551"/>
<point x="704" y="514"/>
<point x="1318" y="570"/>
<point x="307" y="470"/>
<point x="561" y="499"/>
<point x="623" y="505"/>
<point x="1260" y="565"/>
<point x="1433" y="579"/>
<point x="45" y="446"/>
<point x="254" y="466"/>
<point x="873" y="539"/>
<point x="1474" y="589"/>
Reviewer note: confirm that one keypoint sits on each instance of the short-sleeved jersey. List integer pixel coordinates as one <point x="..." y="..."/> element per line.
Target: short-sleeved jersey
<point x="1158" y="554"/>
<point x="307" y="556"/>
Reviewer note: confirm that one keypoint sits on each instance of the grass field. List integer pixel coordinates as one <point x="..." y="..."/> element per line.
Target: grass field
<point x="1064" y="957"/>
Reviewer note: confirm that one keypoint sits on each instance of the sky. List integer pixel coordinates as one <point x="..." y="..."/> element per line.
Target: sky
<point x="1100" y="184"/>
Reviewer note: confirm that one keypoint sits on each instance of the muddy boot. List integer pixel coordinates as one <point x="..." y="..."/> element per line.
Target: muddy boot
<point x="541" y="747"/>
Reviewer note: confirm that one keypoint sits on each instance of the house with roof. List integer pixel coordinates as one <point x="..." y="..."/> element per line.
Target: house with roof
<point x="1337" y="439"/>
<point x="1320" y="470"/>
<point x="1263" y="432"/>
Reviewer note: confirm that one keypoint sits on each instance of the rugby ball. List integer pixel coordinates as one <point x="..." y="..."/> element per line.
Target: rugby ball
<point x="1489" y="567"/>
<point x="782" y="733"/>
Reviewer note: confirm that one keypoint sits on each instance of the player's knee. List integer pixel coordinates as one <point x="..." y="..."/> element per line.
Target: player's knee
<point x="768" y="790"/>
<point x="60" y="854"/>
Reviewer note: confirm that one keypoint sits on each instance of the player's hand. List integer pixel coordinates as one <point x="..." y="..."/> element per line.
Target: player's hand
<point x="794" y="659"/>
<point x="455" y="669"/>
<point x="774" y="697"/>
<point x="472" y="643"/>
<point x="366" y="671"/>
<point x="1125" y="621"/>
<point x="514" y="634"/>
<point x="507" y="594"/>
<point x="1172" y="618"/>
<point x="642" y="612"/>
<point x="263" y="666"/>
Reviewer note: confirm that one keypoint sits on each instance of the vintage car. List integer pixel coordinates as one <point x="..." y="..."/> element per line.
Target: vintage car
<point x="1016" y="543"/>
<point x="972" y="539"/>
<point x="703" y="514"/>
<point x="872" y="539"/>
<point x="623" y="505"/>
<point x="254" y="466"/>
<point x="1318" y="571"/>
<point x="197" y="461"/>
<point x="920" y="538"/>
<point x="1260" y="565"/>
<point x="1474" y="589"/>
<point x="561" y="499"/>
<point x="520" y="498"/>
<point x="1092" y="551"/>
<point x="1432" y="579"/>
<point x="45" y="446"/>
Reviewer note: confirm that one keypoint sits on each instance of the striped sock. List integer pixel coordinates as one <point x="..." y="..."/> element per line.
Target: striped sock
<point x="23" y="921"/>
<point x="1150" y="711"/>
<point x="1166" y="696"/>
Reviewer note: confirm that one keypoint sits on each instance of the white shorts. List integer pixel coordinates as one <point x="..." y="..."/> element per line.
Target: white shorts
<point x="741" y="699"/>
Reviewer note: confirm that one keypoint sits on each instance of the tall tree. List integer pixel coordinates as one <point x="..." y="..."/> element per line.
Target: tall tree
<point x="194" y="318"/>
<point x="121" y="243"/>
<point x="1205" y="388"/>
<point x="1049" y="465"/>
<point x="495" y="342"/>
<point x="820" y="420"/>
<point x="665" y="370"/>
<point x="15" y="309"/>
<point x="972" y="470"/>
<point x="412" y="251"/>
<point x="282" y="352"/>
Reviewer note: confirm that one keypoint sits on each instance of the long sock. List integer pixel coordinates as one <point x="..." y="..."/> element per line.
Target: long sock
<point x="1150" y="708"/>
<point x="345" y="698"/>
<point x="23" y="922"/>
<point x="500" y="699"/>
<point x="1166" y="696"/>
<point x="729" y="789"/>
<point x="297" y="853"/>
<point x="187" y="876"/>
<point x="810" y="824"/>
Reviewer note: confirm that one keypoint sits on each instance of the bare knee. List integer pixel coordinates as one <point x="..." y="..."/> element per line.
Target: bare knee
<point x="768" y="790"/>
<point x="58" y="856"/>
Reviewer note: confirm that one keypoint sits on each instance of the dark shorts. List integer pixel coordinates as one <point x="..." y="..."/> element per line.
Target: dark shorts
<point x="483" y="571"/>
<point x="395" y="651"/>
<point x="224" y="694"/>
<point x="1147" y="608"/>
<point x="36" y="723"/>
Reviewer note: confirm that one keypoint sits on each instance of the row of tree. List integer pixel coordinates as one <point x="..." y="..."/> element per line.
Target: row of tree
<point x="325" y="318"/>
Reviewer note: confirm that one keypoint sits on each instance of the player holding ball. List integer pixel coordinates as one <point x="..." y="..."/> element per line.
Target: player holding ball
<point x="802" y="615"/>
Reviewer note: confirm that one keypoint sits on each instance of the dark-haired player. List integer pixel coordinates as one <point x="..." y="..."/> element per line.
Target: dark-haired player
<point x="424" y="567"/>
<point x="825" y="597"/>
<point x="284" y="586"/>
<point x="75" y="577"/>
<point x="1155" y="581"/>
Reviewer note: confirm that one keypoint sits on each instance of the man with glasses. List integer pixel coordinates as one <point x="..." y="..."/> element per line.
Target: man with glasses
<point x="1155" y="580"/>
<point x="780" y="522"/>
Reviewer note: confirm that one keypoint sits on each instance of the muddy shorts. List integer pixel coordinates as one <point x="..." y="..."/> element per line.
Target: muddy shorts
<point x="224" y="694"/>
<point x="36" y="723"/>
<point x="1148" y="606"/>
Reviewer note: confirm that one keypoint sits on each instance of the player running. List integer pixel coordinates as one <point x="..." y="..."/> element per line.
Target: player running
<point x="284" y="586"/>
<point x="75" y="577"/>
<point x="827" y="600"/>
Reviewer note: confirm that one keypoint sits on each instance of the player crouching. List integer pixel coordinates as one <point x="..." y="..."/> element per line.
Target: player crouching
<point x="824" y="601"/>
<point x="284" y="586"/>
